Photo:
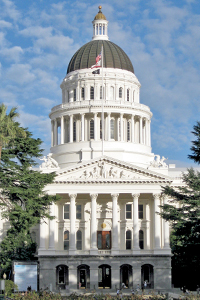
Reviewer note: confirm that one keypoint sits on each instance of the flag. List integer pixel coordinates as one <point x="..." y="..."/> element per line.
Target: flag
<point x="98" y="62"/>
<point x="96" y="71"/>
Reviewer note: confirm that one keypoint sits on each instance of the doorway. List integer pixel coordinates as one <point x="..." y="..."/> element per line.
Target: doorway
<point x="104" y="277"/>
<point x="126" y="276"/>
<point x="83" y="277"/>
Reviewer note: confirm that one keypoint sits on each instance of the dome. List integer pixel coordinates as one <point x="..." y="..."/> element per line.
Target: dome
<point x="100" y="15"/>
<point x="113" y="56"/>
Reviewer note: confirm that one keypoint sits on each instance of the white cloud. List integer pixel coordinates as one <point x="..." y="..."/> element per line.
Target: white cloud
<point x="13" y="53"/>
<point x="10" y="10"/>
<point x="45" y="102"/>
<point x="5" y="24"/>
<point x="20" y="73"/>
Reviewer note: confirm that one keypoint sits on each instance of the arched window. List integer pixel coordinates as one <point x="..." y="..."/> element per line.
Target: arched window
<point x="141" y="239"/>
<point x="128" y="239"/>
<point x="83" y="93"/>
<point x="120" y="92"/>
<point x="66" y="240"/>
<point x="128" y="131"/>
<point x="112" y="129"/>
<point x="74" y="131"/>
<point x="79" y="240"/>
<point x="91" y="129"/>
<point x="74" y="94"/>
<point x="92" y="93"/>
<point x="128" y="95"/>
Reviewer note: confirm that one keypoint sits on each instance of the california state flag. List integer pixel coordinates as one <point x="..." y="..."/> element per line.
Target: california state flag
<point x="98" y="62"/>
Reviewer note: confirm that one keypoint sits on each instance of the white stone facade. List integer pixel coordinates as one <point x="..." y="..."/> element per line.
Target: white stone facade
<point x="106" y="230"/>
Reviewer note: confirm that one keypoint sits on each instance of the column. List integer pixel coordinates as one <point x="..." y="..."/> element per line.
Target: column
<point x="52" y="227"/>
<point x="93" y="225"/>
<point x="52" y="133"/>
<point x="166" y="229"/>
<point x="72" y="234"/>
<point x="141" y="130"/>
<point x="71" y="128"/>
<point x="135" y="223"/>
<point x="157" y="227"/>
<point x="62" y="130"/>
<point x="132" y="129"/>
<point x="150" y="133"/>
<point x="147" y="208"/>
<point x="121" y="127"/>
<point x="55" y="132"/>
<point x="146" y="132"/>
<point x="95" y="126"/>
<point x="43" y="230"/>
<point x="82" y="127"/>
<point x="115" y="245"/>
<point x="108" y="126"/>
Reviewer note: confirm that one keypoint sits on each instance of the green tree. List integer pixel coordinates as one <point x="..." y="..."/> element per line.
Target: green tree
<point x="23" y="198"/>
<point x="183" y="213"/>
<point x="9" y="128"/>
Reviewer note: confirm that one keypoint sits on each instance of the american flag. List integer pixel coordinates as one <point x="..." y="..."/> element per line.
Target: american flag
<point x="98" y="61"/>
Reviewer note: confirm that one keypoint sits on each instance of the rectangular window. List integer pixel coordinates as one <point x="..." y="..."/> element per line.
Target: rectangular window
<point x="101" y="94"/>
<point x="92" y="93"/>
<point x="128" y="131"/>
<point x="74" y="131"/>
<point x="128" y="211"/>
<point x="140" y="211"/>
<point x="66" y="211"/>
<point x="112" y="130"/>
<point x="82" y="93"/>
<point x="127" y="95"/>
<point x="78" y="212"/>
<point x="74" y="94"/>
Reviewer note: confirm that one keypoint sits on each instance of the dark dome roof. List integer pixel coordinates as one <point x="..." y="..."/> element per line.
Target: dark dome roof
<point x="113" y="56"/>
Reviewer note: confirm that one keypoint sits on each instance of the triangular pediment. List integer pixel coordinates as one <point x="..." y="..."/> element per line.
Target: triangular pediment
<point x="105" y="169"/>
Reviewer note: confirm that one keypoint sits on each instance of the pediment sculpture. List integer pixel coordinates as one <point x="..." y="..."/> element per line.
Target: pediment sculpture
<point x="49" y="162"/>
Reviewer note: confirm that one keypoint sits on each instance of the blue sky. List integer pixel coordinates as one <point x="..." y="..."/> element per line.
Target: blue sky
<point x="162" y="39"/>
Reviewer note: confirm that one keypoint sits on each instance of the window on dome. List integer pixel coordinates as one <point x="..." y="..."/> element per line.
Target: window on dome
<point x="74" y="94"/>
<point x="101" y="94"/>
<point x="120" y="92"/>
<point x="111" y="93"/>
<point x="66" y="211"/>
<point x="74" y="131"/>
<point x="79" y="240"/>
<point x="133" y="95"/>
<point x="92" y="93"/>
<point x="128" y="94"/>
<point x="128" y="131"/>
<point x="141" y="239"/>
<point x="97" y="29"/>
<point x="100" y="130"/>
<point x="128" y="239"/>
<point x="128" y="211"/>
<point x="103" y="29"/>
<point x="100" y="29"/>
<point x="91" y="129"/>
<point x="83" y="93"/>
<point x="78" y="212"/>
<point x="112" y="129"/>
<point x="66" y="240"/>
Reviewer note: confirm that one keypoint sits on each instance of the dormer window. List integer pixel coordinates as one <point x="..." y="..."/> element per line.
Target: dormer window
<point x="120" y="92"/>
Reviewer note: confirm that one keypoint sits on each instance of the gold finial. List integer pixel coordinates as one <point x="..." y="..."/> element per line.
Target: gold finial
<point x="100" y="7"/>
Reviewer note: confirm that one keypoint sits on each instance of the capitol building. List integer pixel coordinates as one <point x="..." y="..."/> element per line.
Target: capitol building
<point x="107" y="232"/>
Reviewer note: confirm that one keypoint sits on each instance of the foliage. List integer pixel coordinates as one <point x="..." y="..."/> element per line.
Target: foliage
<point x="23" y="198"/>
<point x="183" y="213"/>
<point x="9" y="128"/>
<point x="10" y="286"/>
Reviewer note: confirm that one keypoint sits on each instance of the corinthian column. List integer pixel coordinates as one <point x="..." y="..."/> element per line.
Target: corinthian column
<point x="72" y="234"/>
<point x="115" y="245"/>
<point x="93" y="225"/>
<point x="166" y="229"/>
<point x="157" y="227"/>
<point x="62" y="130"/>
<point x="135" y="223"/>
<point x="52" y="227"/>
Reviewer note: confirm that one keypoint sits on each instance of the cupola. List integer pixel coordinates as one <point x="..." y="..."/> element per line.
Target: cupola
<point x="100" y="26"/>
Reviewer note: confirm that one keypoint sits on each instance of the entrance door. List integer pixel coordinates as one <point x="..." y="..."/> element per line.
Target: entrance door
<point x="104" y="239"/>
<point x="126" y="276"/>
<point x="104" y="277"/>
<point x="83" y="279"/>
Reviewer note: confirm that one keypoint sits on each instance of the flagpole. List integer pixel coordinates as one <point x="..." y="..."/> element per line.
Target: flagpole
<point x="102" y="114"/>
